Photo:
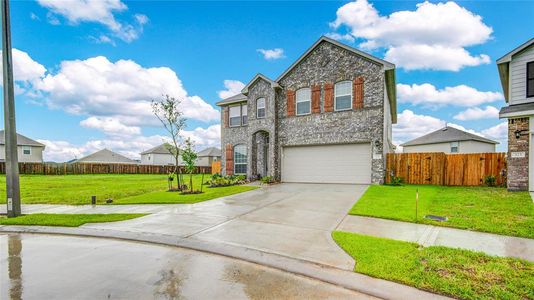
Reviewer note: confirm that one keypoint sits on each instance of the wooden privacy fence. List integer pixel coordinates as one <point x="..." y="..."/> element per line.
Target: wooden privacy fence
<point x="439" y="168"/>
<point x="90" y="168"/>
<point x="216" y="167"/>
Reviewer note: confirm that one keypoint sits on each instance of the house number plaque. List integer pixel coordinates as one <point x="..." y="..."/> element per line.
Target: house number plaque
<point x="520" y="154"/>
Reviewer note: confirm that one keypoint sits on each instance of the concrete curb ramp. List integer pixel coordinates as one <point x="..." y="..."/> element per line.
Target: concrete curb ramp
<point x="343" y="278"/>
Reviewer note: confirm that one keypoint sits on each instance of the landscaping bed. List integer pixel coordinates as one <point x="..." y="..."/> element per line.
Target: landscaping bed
<point x="66" y="220"/>
<point x="122" y="189"/>
<point x="487" y="209"/>
<point x="453" y="272"/>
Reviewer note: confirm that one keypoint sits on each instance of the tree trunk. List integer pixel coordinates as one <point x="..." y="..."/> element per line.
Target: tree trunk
<point x="191" y="181"/>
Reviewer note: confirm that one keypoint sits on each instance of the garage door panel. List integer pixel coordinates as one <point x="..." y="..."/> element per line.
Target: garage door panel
<point x="349" y="163"/>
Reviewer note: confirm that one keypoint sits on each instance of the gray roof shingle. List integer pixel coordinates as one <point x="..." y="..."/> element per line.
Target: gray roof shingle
<point x="161" y="149"/>
<point x="106" y="156"/>
<point x="234" y="99"/>
<point x="211" y="151"/>
<point x="21" y="140"/>
<point x="447" y="134"/>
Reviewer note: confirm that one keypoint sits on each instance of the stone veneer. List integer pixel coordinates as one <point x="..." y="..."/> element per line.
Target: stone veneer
<point x="323" y="67"/>
<point x="518" y="167"/>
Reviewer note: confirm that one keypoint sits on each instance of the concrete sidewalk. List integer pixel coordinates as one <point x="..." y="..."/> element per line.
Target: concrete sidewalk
<point x="428" y="235"/>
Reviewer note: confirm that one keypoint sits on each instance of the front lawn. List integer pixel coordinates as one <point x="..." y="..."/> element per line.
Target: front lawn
<point x="453" y="272"/>
<point x="123" y="189"/>
<point x="66" y="220"/>
<point x="485" y="209"/>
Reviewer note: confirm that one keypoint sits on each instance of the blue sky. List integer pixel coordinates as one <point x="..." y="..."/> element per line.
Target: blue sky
<point x="86" y="70"/>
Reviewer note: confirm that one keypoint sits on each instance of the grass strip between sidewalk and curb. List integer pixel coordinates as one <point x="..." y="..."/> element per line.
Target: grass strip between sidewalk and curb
<point x="485" y="209"/>
<point x="453" y="272"/>
<point x="66" y="220"/>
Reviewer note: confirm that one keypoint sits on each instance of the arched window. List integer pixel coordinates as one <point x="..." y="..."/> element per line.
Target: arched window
<point x="343" y="95"/>
<point x="240" y="159"/>
<point x="260" y="108"/>
<point x="303" y="101"/>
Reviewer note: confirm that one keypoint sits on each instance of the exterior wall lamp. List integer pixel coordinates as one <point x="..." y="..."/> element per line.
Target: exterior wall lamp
<point x="519" y="133"/>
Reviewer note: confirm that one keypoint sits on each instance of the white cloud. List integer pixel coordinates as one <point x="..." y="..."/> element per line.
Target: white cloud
<point x="428" y="95"/>
<point x="272" y="54"/>
<point x="122" y="90"/>
<point x="97" y="11"/>
<point x="341" y="37"/>
<point x="205" y="137"/>
<point x="110" y="126"/>
<point x="34" y="17"/>
<point x="498" y="132"/>
<point x="433" y="36"/>
<point x="232" y="88"/>
<point x="24" y="67"/>
<point x="476" y="113"/>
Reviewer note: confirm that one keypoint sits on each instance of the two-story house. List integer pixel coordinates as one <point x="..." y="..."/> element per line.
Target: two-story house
<point x="516" y="71"/>
<point x="326" y="119"/>
<point x="29" y="151"/>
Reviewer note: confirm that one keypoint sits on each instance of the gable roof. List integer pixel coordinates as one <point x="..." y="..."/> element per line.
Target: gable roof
<point x="160" y="149"/>
<point x="21" y="140"/>
<point x="274" y="84"/>
<point x="106" y="156"/>
<point x="503" y="64"/>
<point x="234" y="99"/>
<point x="447" y="134"/>
<point x="211" y="151"/>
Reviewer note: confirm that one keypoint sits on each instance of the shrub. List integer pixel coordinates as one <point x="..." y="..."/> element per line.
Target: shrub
<point x="267" y="179"/>
<point x="490" y="180"/>
<point x="217" y="180"/>
<point x="396" y="181"/>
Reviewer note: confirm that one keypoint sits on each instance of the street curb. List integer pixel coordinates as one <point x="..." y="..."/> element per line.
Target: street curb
<point x="347" y="279"/>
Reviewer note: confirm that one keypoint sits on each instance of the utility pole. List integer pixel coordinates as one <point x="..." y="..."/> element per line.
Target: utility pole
<point x="10" y="130"/>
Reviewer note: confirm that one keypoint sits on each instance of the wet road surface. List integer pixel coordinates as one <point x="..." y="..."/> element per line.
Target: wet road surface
<point x="61" y="267"/>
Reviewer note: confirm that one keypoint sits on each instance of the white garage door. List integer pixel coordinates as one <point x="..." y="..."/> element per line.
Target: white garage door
<point x="349" y="163"/>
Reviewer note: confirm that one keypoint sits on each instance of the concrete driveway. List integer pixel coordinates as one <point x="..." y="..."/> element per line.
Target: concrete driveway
<point x="294" y="220"/>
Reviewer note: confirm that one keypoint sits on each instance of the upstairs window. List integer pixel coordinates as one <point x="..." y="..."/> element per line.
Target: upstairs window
<point x="238" y="115"/>
<point x="343" y="95"/>
<point x="303" y="101"/>
<point x="530" y="79"/>
<point x="454" y="147"/>
<point x="26" y="150"/>
<point x="260" y="108"/>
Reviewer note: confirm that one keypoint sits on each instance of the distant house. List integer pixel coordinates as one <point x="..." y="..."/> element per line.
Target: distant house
<point x="106" y="156"/>
<point x="160" y="155"/>
<point x="450" y="140"/>
<point x="207" y="156"/>
<point x="28" y="150"/>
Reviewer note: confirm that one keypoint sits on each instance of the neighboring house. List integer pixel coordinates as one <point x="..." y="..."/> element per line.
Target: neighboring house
<point x="28" y="150"/>
<point x="207" y="156"/>
<point x="516" y="71"/>
<point x="327" y="118"/>
<point x="106" y="156"/>
<point x="159" y="155"/>
<point x="450" y="140"/>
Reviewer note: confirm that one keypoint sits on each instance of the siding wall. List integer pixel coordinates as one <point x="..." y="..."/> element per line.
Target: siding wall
<point x="36" y="155"/>
<point x="463" y="147"/>
<point x="518" y="76"/>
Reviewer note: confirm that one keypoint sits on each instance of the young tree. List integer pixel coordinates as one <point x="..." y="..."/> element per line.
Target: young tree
<point x="189" y="156"/>
<point x="168" y="111"/>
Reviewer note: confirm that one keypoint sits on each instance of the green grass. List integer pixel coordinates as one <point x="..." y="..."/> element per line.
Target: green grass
<point x="485" y="209"/>
<point x="123" y="189"/>
<point x="454" y="272"/>
<point x="66" y="220"/>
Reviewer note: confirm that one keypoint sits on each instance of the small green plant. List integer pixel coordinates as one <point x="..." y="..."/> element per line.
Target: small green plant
<point x="267" y="179"/>
<point x="189" y="156"/>
<point x="396" y="181"/>
<point x="490" y="180"/>
<point x="217" y="180"/>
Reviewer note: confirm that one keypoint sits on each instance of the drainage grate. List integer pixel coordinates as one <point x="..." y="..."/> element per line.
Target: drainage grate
<point x="436" y="218"/>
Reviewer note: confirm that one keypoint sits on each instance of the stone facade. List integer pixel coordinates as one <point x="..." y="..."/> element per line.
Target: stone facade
<point x="320" y="70"/>
<point x="518" y="167"/>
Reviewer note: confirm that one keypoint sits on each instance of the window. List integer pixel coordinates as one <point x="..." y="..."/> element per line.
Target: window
<point x="454" y="147"/>
<point x="343" y="95"/>
<point x="26" y="150"/>
<point x="238" y="115"/>
<point x="240" y="159"/>
<point x="244" y="113"/>
<point x="303" y="101"/>
<point x="530" y="79"/>
<point x="260" y="108"/>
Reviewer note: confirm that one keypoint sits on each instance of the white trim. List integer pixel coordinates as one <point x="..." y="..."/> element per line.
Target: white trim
<point x="351" y="95"/>
<point x="230" y="116"/>
<point x="264" y="108"/>
<point x="297" y="102"/>
<point x="24" y="147"/>
<point x="524" y="113"/>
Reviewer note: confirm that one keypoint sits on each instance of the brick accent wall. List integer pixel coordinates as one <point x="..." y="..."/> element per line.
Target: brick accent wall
<point x="290" y="103"/>
<point x="357" y="90"/>
<point x="518" y="167"/>
<point x="328" y="97"/>
<point x="316" y="99"/>
<point x="229" y="160"/>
